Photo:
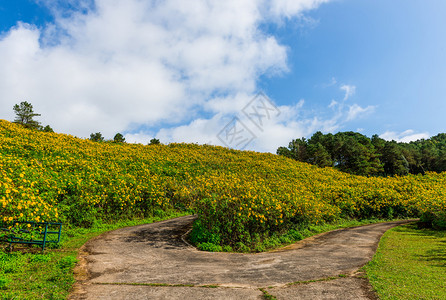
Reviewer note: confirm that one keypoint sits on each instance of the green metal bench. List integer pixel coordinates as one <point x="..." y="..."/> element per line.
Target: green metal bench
<point x="42" y="230"/>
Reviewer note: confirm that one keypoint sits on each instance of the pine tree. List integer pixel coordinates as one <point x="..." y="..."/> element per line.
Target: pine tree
<point x="119" y="138"/>
<point x="96" y="137"/>
<point x="25" y="114"/>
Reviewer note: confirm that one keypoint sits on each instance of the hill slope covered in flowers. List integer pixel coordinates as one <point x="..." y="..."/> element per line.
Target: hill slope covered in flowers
<point x="240" y="197"/>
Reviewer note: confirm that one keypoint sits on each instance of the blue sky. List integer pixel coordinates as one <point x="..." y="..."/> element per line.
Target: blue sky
<point x="21" y="10"/>
<point x="394" y="52"/>
<point x="183" y="72"/>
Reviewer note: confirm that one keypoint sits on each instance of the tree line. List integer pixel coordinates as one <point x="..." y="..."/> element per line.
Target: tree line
<point x="119" y="138"/>
<point x="355" y="153"/>
<point x="25" y="116"/>
<point x="351" y="152"/>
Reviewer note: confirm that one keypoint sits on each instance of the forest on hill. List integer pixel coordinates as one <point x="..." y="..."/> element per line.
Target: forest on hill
<point x="355" y="153"/>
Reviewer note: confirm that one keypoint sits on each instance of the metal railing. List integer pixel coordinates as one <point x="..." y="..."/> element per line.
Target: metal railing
<point x="35" y="233"/>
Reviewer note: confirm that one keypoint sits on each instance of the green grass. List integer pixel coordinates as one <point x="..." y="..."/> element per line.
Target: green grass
<point x="266" y="295"/>
<point x="410" y="264"/>
<point x="30" y="274"/>
<point x="294" y="235"/>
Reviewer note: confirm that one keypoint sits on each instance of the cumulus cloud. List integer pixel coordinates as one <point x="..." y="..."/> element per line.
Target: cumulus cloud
<point x="277" y="129"/>
<point x="111" y="65"/>
<point x="405" y="136"/>
<point x="135" y="66"/>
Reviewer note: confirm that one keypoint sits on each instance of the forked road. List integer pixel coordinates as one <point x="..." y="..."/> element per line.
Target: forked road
<point x="153" y="262"/>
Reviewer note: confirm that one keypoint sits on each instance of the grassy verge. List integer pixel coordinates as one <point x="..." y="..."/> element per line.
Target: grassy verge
<point x="49" y="275"/>
<point x="410" y="264"/>
<point x="280" y="240"/>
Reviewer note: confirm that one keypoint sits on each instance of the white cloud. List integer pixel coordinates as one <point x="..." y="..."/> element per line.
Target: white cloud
<point x="228" y="104"/>
<point x="202" y="131"/>
<point x="138" y="137"/>
<point x="333" y="103"/>
<point x="354" y="111"/>
<point x="292" y="122"/>
<point x="278" y="130"/>
<point x="405" y="136"/>
<point x="349" y="91"/>
<point x="290" y="8"/>
<point x="131" y="64"/>
<point x="110" y="64"/>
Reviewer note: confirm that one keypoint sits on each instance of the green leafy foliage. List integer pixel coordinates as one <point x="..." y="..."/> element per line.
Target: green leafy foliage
<point x="25" y="115"/>
<point x="47" y="128"/>
<point x="245" y="200"/>
<point x="3" y="283"/>
<point x="119" y="138"/>
<point x="154" y="141"/>
<point x="96" y="137"/>
<point x="67" y="262"/>
<point x="355" y="153"/>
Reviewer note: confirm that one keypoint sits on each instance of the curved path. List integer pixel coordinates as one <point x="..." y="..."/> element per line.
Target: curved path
<point x="152" y="261"/>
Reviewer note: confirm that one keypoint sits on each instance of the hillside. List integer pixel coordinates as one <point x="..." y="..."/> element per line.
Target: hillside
<point x="241" y="197"/>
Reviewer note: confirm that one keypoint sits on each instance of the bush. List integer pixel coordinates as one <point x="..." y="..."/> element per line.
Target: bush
<point x="435" y="220"/>
<point x="3" y="283"/>
<point x="210" y="247"/>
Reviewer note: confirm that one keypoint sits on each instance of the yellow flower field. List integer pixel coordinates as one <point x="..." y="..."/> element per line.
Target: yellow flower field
<point x="238" y="195"/>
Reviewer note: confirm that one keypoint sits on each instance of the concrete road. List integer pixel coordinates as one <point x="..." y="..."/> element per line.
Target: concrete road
<point x="153" y="261"/>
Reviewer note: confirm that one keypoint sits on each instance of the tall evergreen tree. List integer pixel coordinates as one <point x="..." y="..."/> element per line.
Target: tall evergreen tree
<point x="25" y="115"/>
<point x="119" y="138"/>
<point x="96" y="137"/>
<point x="154" y="141"/>
<point x="395" y="163"/>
